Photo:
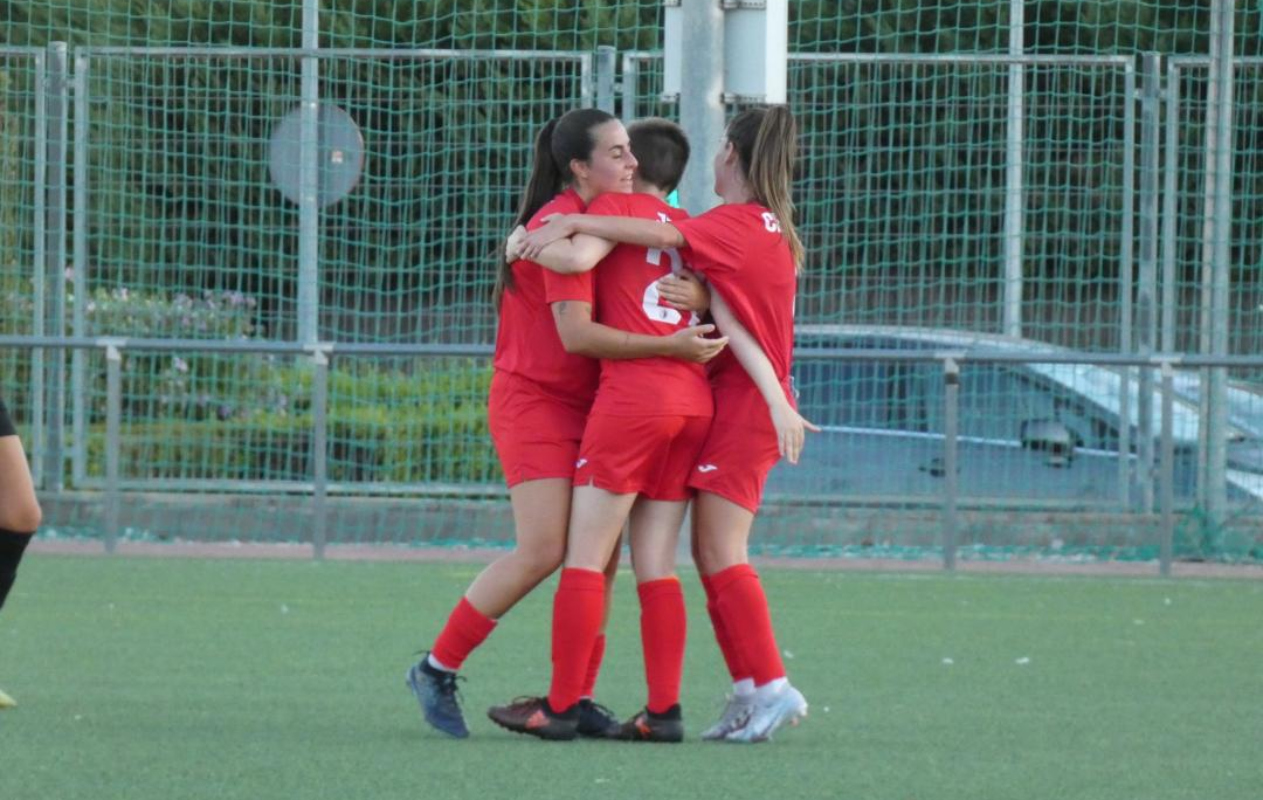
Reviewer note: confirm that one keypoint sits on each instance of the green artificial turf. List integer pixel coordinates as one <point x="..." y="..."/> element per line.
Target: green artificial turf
<point x="171" y="679"/>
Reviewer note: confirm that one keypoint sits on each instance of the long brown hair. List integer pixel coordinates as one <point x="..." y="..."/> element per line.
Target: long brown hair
<point x="561" y="141"/>
<point x="766" y="140"/>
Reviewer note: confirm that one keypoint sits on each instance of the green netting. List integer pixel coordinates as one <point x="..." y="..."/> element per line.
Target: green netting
<point x="179" y="232"/>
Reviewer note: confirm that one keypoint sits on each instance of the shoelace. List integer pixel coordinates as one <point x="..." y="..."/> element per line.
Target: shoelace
<point x="607" y="715"/>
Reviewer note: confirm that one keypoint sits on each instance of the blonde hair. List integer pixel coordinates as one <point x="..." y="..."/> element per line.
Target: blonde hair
<point x="766" y="140"/>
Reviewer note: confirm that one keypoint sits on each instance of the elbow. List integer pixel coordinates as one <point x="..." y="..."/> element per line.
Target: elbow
<point x="574" y="343"/>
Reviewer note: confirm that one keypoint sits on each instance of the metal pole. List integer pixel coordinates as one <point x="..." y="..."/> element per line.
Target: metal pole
<point x="630" y="84"/>
<point x="1219" y="175"/>
<point x="1126" y="279"/>
<point x="79" y="364"/>
<point x="55" y="261"/>
<point x="1170" y="208"/>
<point x="319" y="451"/>
<point x="701" y="98"/>
<point x="951" y="482"/>
<point x="1014" y="205"/>
<point x="1147" y="323"/>
<point x="38" y="270"/>
<point x="309" y="182"/>
<point x="1167" y="475"/>
<point x="113" y="444"/>
<point x="606" y="61"/>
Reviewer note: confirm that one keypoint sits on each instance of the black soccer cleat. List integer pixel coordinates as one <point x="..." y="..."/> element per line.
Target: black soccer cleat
<point x="532" y="716"/>
<point x="647" y="726"/>
<point x="595" y="720"/>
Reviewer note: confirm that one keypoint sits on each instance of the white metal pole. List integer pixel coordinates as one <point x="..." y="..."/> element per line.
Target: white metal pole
<point x="1147" y="327"/>
<point x="701" y="98"/>
<point x="1219" y="176"/>
<point x="1014" y="205"/>
<point x="309" y="182"/>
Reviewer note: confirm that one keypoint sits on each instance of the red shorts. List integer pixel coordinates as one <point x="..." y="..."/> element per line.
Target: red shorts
<point x="536" y="435"/>
<point x="651" y="456"/>
<point x="740" y="451"/>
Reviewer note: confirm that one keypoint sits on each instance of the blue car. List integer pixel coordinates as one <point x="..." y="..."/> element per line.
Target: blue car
<point x="1030" y="434"/>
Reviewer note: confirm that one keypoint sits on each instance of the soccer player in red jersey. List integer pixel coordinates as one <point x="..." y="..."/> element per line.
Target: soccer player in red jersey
<point x="19" y="511"/>
<point x="643" y="437"/>
<point x="544" y="383"/>
<point x="749" y="252"/>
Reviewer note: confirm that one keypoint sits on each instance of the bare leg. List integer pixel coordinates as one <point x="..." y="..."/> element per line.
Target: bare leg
<point x="721" y="533"/>
<point x="655" y="535"/>
<point x="19" y="508"/>
<point x="541" y="510"/>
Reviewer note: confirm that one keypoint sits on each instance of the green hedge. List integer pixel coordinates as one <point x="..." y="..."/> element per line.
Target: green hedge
<point x="403" y="421"/>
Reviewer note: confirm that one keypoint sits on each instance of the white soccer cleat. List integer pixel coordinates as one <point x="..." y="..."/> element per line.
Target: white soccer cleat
<point x="736" y="714"/>
<point x="786" y="707"/>
<point x="6" y="701"/>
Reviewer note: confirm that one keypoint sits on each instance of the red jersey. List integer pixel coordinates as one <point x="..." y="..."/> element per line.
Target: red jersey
<point x="627" y="299"/>
<point x="527" y="342"/>
<point x="740" y="250"/>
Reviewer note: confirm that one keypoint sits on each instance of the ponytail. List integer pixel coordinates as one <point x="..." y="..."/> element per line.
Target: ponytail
<point x="565" y="139"/>
<point x="544" y="184"/>
<point x="767" y="141"/>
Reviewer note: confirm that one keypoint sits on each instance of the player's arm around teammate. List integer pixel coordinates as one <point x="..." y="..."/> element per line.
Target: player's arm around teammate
<point x="646" y="427"/>
<point x="537" y="409"/>
<point x="20" y="513"/>
<point x="748" y="250"/>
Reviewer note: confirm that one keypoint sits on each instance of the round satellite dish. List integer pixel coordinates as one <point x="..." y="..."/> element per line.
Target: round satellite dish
<point x="341" y="154"/>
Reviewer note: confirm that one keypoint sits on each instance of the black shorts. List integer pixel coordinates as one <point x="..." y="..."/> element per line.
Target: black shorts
<point x="6" y="423"/>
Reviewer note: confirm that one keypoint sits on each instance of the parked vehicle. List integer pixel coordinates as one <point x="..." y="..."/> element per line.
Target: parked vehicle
<point x="1029" y="433"/>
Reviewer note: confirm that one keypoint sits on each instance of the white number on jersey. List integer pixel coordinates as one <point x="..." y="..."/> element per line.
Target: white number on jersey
<point x="651" y="299"/>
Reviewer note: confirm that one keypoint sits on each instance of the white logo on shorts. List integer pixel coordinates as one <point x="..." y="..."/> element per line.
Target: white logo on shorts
<point x="707" y="468"/>
<point x="580" y="463"/>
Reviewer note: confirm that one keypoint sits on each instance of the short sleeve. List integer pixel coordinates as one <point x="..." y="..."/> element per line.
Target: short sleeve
<point x="715" y="241"/>
<point x="610" y="205"/>
<point x="576" y="287"/>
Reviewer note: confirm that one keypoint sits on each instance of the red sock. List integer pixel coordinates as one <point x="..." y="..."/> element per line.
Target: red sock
<point x="466" y="628"/>
<point x="744" y="608"/>
<point x="578" y="608"/>
<point x="594" y="666"/>
<point x="731" y="657"/>
<point x="663" y="623"/>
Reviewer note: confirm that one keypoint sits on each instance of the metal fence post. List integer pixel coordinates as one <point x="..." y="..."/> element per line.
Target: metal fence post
<point x="1147" y="321"/>
<point x="309" y="182"/>
<point x="1170" y="208"/>
<point x="628" y="87"/>
<point x="79" y="363"/>
<point x="56" y="90"/>
<point x="38" y="431"/>
<point x="1014" y="200"/>
<point x="606" y="61"/>
<point x="1166" y="478"/>
<point x="1218" y="231"/>
<point x="1126" y="285"/>
<point x="951" y="481"/>
<point x="113" y="443"/>
<point x="319" y="449"/>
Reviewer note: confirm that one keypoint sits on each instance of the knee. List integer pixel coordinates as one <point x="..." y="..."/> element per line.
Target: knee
<point x="717" y="555"/>
<point x="25" y="518"/>
<point x="542" y="560"/>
